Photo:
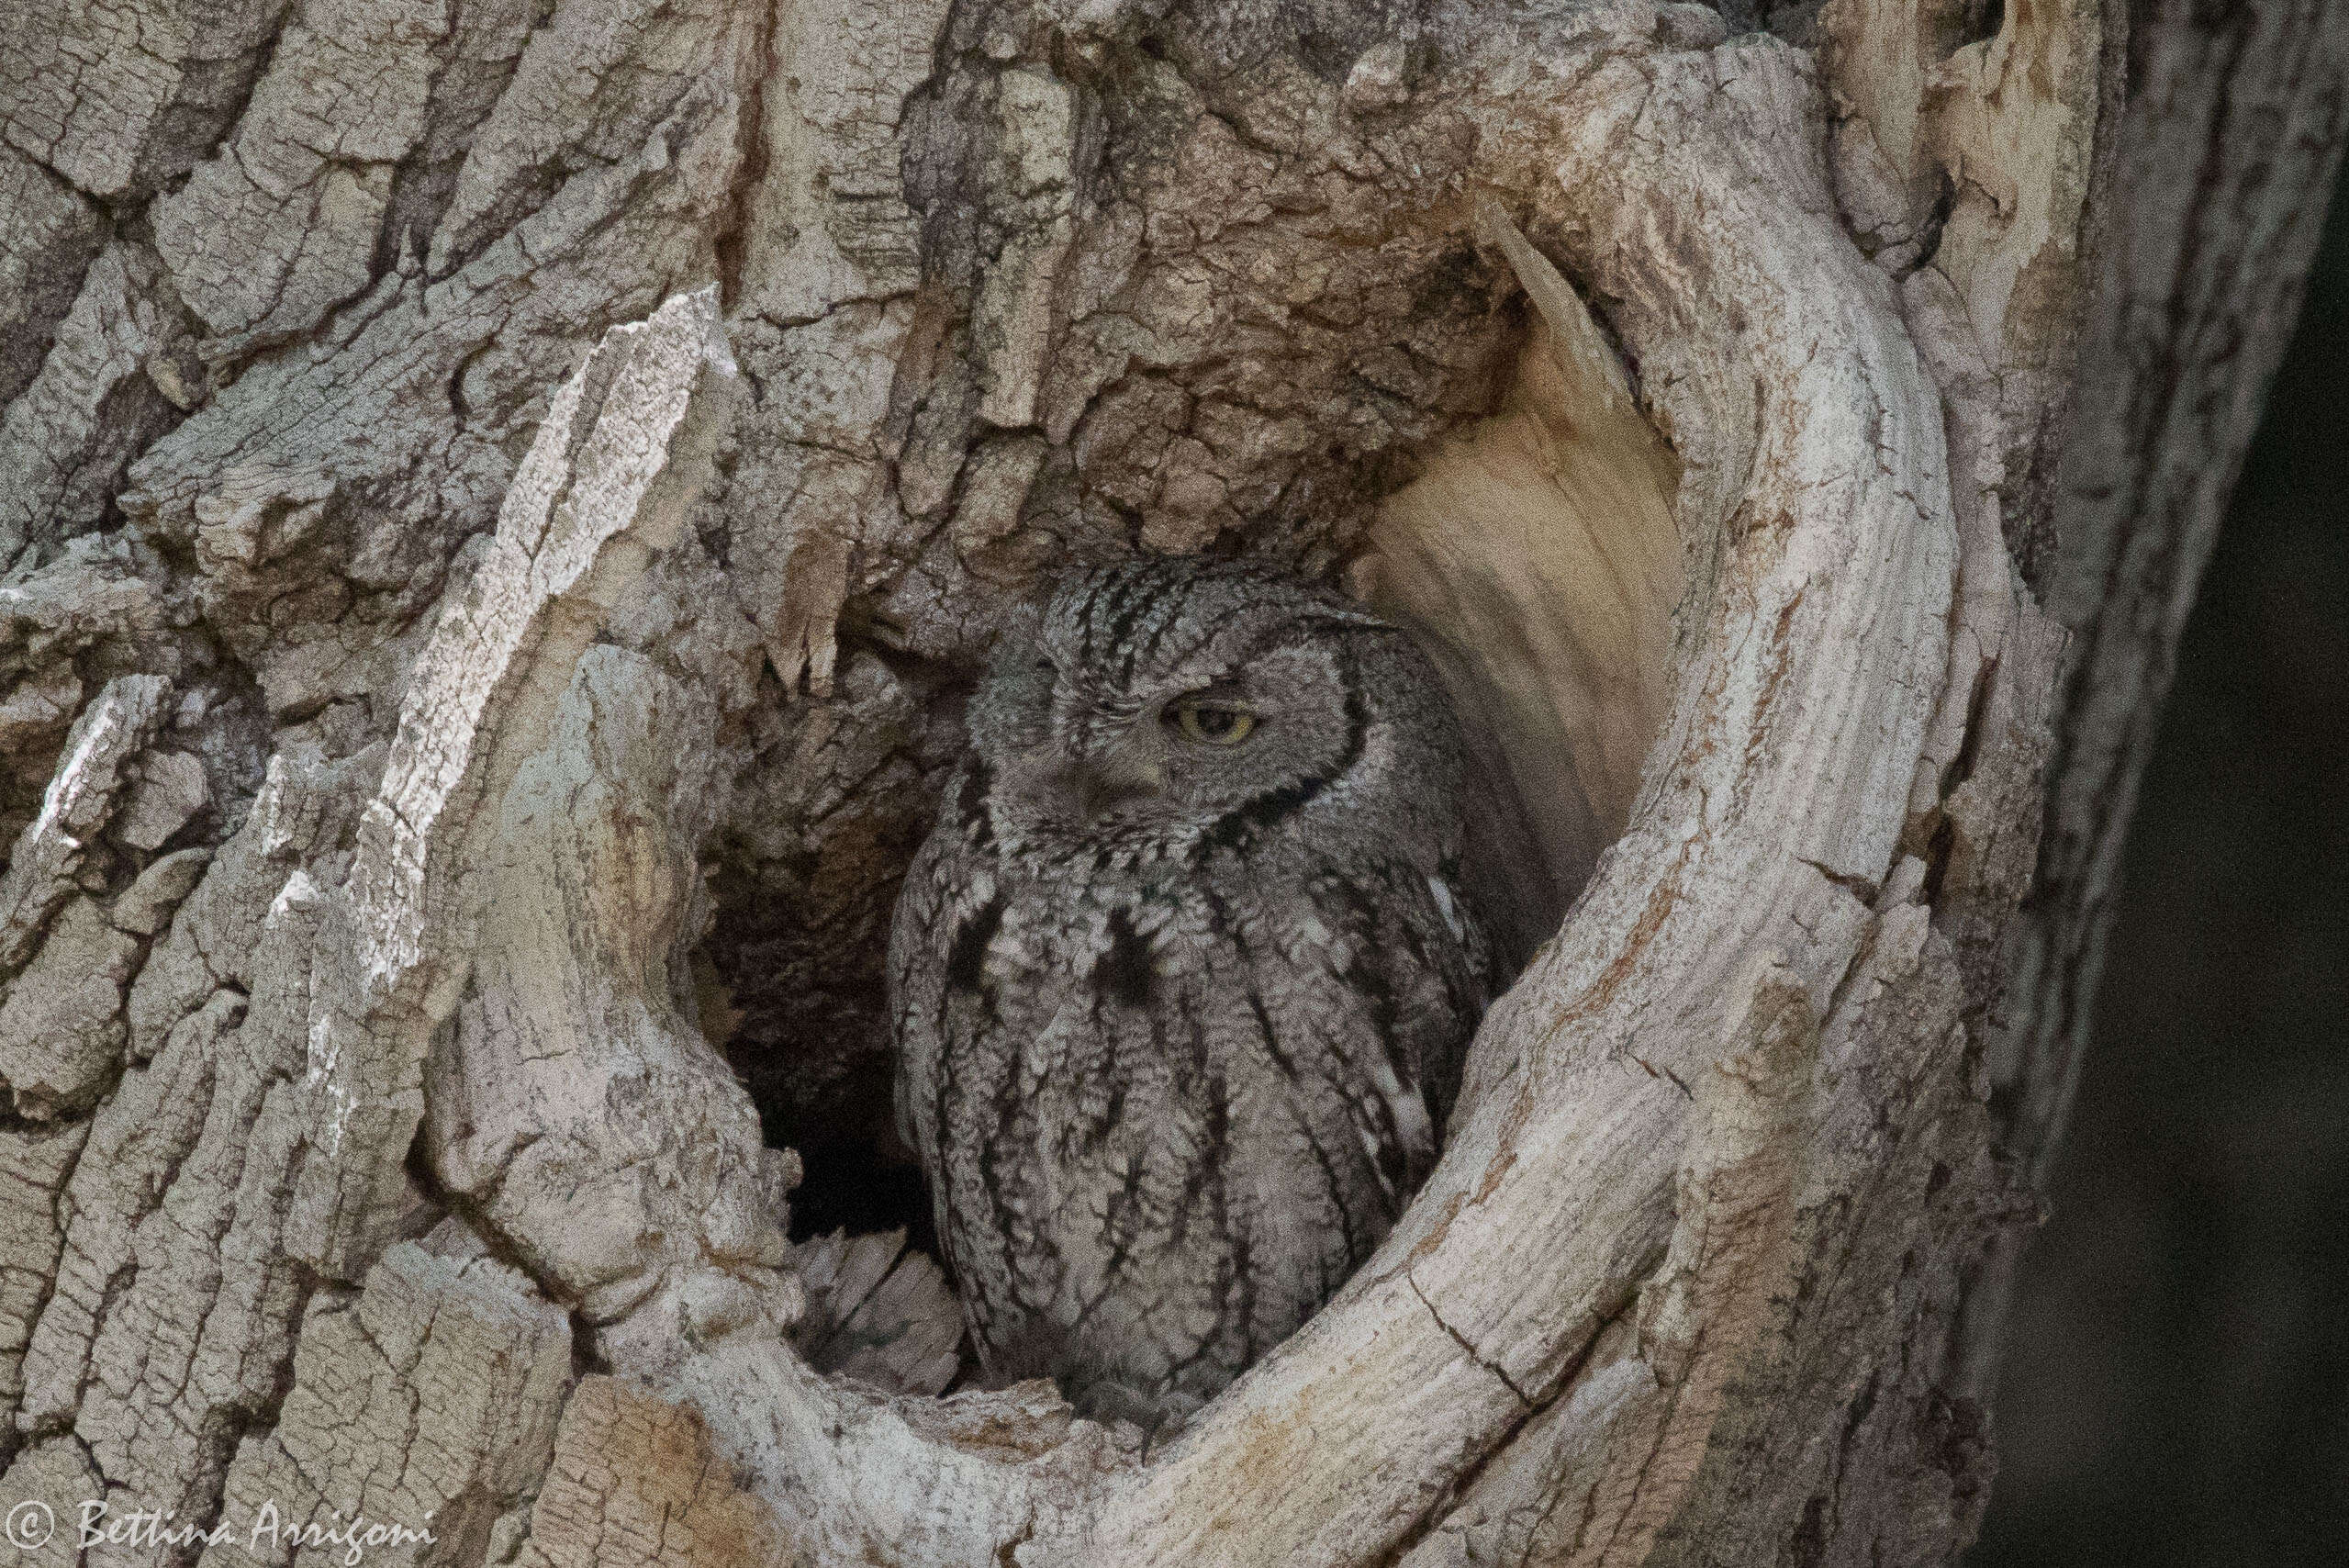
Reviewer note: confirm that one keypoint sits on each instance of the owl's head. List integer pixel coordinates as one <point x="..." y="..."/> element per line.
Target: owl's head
<point x="1171" y="706"/>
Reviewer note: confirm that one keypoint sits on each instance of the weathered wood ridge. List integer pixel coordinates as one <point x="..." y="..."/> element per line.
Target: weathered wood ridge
<point x="496" y="499"/>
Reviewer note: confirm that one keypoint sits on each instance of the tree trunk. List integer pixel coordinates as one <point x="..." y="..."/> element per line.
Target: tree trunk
<point x="502" y="497"/>
<point x="2231" y="146"/>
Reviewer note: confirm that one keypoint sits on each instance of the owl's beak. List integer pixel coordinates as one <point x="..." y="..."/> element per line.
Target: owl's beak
<point x="1096" y="786"/>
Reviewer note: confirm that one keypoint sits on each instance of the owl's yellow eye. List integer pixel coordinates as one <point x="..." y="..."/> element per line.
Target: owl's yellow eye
<point x="1212" y="723"/>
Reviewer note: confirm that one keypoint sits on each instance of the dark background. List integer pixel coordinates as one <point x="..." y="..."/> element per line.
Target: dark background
<point x="2176" y="1383"/>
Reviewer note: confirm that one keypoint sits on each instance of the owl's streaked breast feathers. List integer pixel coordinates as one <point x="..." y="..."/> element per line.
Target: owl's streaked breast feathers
<point x="1182" y="977"/>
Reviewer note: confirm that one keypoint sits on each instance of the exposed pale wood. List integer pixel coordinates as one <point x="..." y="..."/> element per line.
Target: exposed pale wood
<point x="1613" y="1463"/>
<point x="1539" y="554"/>
<point x="1552" y="1204"/>
<point x="879" y="1312"/>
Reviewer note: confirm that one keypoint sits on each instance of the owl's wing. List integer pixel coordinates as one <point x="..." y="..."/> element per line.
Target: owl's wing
<point x="1410" y="968"/>
<point x="947" y="992"/>
<point x="932" y="906"/>
<point x="1467" y="971"/>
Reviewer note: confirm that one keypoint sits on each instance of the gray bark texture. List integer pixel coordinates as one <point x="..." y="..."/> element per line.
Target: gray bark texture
<point x="2230" y="145"/>
<point x="500" y="502"/>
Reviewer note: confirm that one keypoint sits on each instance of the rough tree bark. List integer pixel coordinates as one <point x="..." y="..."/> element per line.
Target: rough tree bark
<point x="499" y="499"/>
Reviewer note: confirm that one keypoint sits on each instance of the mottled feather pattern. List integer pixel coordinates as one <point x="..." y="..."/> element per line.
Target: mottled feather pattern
<point x="1179" y="1016"/>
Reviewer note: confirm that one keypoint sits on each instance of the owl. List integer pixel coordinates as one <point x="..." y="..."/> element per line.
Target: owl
<point x="1181" y="979"/>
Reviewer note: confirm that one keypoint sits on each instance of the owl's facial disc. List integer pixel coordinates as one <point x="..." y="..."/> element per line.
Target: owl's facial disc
<point x="1159" y="703"/>
<point x="1182" y="748"/>
<point x="1098" y="788"/>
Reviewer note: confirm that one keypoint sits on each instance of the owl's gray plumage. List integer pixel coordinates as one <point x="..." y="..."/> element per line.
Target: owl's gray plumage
<point x="1178" y="1021"/>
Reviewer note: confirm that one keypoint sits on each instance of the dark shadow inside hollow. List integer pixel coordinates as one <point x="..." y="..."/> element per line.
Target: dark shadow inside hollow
<point x="795" y="991"/>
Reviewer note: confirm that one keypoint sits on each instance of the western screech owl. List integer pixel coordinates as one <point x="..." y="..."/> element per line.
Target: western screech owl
<point x="1181" y="979"/>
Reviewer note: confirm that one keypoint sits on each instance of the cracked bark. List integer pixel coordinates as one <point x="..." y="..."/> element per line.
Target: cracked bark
<point x="500" y="501"/>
